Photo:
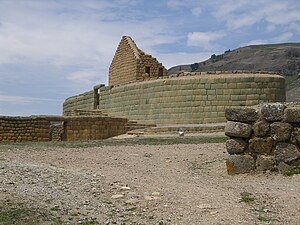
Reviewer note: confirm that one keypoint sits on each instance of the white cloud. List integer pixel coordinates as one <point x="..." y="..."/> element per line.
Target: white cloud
<point x="180" y="58"/>
<point x="295" y="27"/>
<point x="83" y="77"/>
<point x="197" y="11"/>
<point x="271" y="28"/>
<point x="222" y="9"/>
<point x="242" y="13"/>
<point x="176" y="3"/>
<point x="242" y="20"/>
<point x="283" y="37"/>
<point x="256" y="42"/>
<point x="23" y="100"/>
<point x="67" y="34"/>
<point x="204" y="39"/>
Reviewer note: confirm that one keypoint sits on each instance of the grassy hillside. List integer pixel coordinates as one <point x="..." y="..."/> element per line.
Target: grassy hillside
<point x="282" y="58"/>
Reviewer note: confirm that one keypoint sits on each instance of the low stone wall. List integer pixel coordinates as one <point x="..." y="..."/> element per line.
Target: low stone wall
<point x="61" y="128"/>
<point x="263" y="138"/>
<point x="17" y="129"/>
<point x="93" y="127"/>
<point x="83" y="101"/>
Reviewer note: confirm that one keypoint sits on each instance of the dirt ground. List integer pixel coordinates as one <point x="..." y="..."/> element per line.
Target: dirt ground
<point x="183" y="184"/>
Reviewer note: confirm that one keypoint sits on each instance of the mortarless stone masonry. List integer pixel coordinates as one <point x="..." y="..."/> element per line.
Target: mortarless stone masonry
<point x="191" y="98"/>
<point x="63" y="128"/>
<point x="272" y="140"/>
<point x="139" y="89"/>
<point x="130" y="64"/>
<point x="17" y="129"/>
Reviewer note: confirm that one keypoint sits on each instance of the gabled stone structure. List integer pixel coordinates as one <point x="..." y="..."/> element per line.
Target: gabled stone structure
<point x="130" y="64"/>
<point x="139" y="89"/>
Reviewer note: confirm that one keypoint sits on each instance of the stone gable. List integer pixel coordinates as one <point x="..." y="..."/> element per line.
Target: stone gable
<point x="131" y="64"/>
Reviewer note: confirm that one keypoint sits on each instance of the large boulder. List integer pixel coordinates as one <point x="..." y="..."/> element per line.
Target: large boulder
<point x="261" y="128"/>
<point x="240" y="164"/>
<point x="273" y="111"/>
<point x="295" y="137"/>
<point x="236" y="146"/>
<point x="265" y="162"/>
<point x="286" y="152"/>
<point x="261" y="146"/>
<point x="292" y="115"/>
<point x="241" y="114"/>
<point x="237" y="129"/>
<point x="281" y="132"/>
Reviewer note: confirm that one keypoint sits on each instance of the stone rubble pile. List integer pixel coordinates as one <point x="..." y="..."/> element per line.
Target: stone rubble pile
<point x="265" y="137"/>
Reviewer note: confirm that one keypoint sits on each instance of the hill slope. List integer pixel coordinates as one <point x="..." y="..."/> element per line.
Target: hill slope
<point x="282" y="58"/>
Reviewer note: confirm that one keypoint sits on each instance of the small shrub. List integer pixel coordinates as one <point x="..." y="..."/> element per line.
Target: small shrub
<point x="247" y="197"/>
<point x="292" y="171"/>
<point x="265" y="218"/>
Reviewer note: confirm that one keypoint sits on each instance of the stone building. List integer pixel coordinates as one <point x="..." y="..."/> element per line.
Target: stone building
<point x="140" y="89"/>
<point x="131" y="64"/>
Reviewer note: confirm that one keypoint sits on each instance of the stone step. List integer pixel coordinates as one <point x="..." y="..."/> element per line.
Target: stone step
<point x="134" y="125"/>
<point x="175" y="129"/>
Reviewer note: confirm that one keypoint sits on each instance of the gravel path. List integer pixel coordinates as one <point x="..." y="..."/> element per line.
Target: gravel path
<point x="160" y="184"/>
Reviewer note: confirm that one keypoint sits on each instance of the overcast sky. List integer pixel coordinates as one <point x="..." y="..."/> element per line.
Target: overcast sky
<point x="53" y="49"/>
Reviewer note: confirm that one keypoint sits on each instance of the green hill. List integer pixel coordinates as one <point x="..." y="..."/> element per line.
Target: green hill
<point x="282" y="58"/>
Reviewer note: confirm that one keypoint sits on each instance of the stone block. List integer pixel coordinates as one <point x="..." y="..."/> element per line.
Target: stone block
<point x="292" y="115"/>
<point x="283" y="167"/>
<point x="261" y="146"/>
<point x="241" y="114"/>
<point x="281" y="132"/>
<point x="286" y="152"/>
<point x="261" y="128"/>
<point x="238" y="129"/>
<point x="273" y="111"/>
<point x="264" y="163"/>
<point x="295" y="136"/>
<point x="237" y="164"/>
<point x="236" y="146"/>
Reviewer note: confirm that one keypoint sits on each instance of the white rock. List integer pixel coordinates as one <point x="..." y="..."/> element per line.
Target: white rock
<point x="117" y="196"/>
<point x="125" y="188"/>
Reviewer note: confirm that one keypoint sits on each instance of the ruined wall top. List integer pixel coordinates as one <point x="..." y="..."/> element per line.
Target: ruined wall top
<point x="130" y="64"/>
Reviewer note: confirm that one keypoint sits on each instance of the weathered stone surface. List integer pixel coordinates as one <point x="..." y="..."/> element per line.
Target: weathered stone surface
<point x="295" y="136"/>
<point x="261" y="128"/>
<point x="241" y="114"/>
<point x="236" y="146"/>
<point x="292" y="115"/>
<point x="261" y="145"/>
<point x="283" y="167"/>
<point x="192" y="99"/>
<point x="264" y="162"/>
<point x="281" y="132"/>
<point x="296" y="162"/>
<point x="137" y="65"/>
<point x="286" y="152"/>
<point x="237" y="129"/>
<point x="240" y="164"/>
<point x="273" y="111"/>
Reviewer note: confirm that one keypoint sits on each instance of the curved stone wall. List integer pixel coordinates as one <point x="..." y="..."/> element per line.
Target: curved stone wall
<point x="84" y="101"/>
<point x="191" y="98"/>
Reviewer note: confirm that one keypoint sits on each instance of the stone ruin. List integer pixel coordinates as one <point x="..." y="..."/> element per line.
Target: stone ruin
<point x="263" y="138"/>
<point x="140" y="89"/>
<point x="131" y="64"/>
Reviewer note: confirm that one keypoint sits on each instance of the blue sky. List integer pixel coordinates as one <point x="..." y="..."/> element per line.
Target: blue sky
<point x="53" y="49"/>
